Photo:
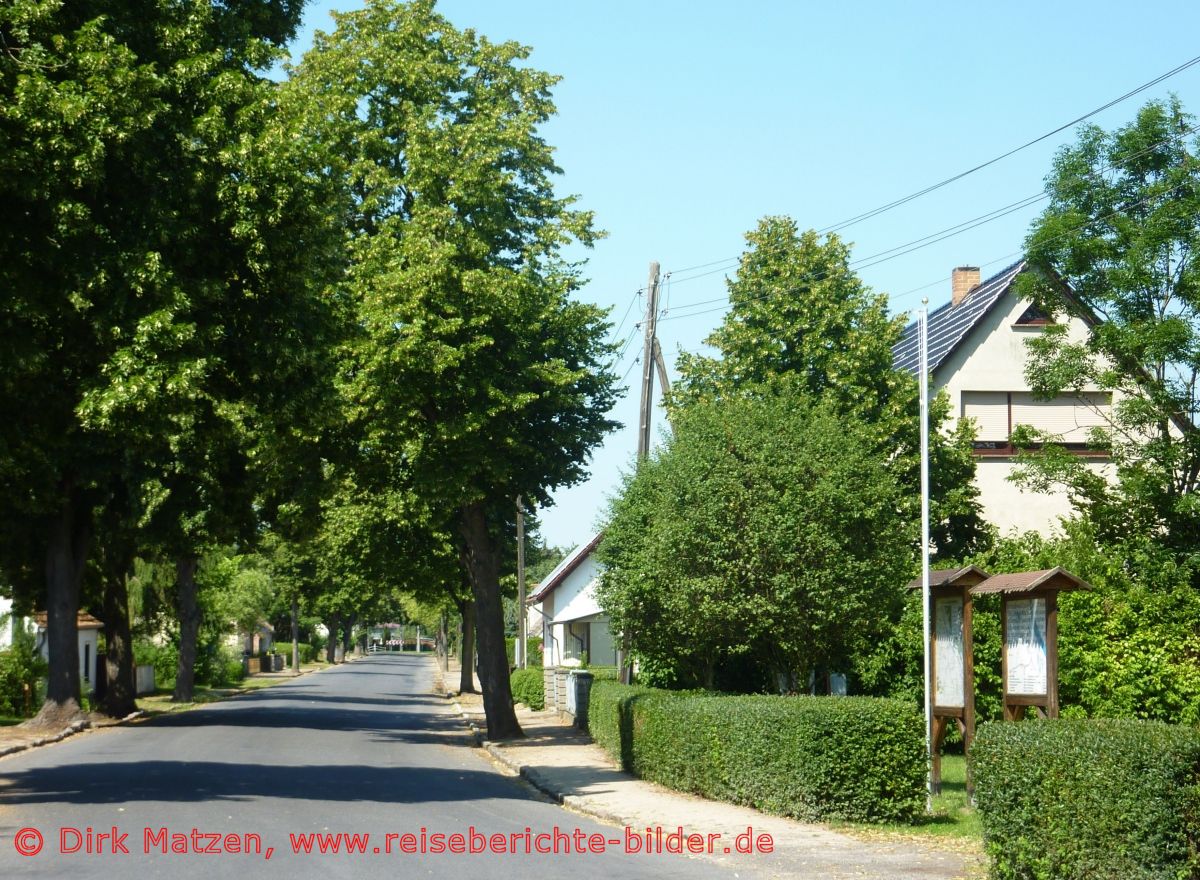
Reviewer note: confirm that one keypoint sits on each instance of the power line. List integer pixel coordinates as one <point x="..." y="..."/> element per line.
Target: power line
<point x="936" y="186"/>
<point x="959" y="228"/>
<point x="1006" y="258"/>
<point x="616" y="333"/>
<point x="874" y="212"/>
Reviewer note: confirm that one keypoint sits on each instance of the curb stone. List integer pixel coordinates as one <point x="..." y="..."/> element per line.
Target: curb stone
<point x="532" y="776"/>
<point x="70" y="730"/>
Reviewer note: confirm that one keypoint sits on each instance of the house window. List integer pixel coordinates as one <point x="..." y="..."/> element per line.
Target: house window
<point x="1034" y="317"/>
<point x="87" y="661"/>
<point x="1069" y="417"/>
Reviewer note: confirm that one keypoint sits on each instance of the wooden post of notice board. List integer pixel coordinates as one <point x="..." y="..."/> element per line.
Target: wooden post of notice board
<point x="952" y="692"/>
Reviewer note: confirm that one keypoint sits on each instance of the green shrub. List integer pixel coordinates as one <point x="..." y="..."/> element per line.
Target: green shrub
<point x="20" y="666"/>
<point x="227" y="669"/>
<point x="164" y="659"/>
<point x="532" y="644"/>
<point x="849" y="758"/>
<point x="304" y="649"/>
<point x="527" y="687"/>
<point x="1096" y="799"/>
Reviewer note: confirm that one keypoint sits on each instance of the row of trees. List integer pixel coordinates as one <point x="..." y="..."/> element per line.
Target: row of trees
<point x="769" y="539"/>
<point x="328" y="317"/>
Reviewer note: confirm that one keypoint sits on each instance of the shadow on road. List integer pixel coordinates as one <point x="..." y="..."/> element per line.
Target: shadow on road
<point x="195" y="781"/>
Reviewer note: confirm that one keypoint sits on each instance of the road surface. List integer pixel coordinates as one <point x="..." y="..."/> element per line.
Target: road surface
<point x="355" y="757"/>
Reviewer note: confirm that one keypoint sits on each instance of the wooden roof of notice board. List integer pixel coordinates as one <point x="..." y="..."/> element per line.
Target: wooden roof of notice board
<point x="952" y="577"/>
<point x="1056" y="578"/>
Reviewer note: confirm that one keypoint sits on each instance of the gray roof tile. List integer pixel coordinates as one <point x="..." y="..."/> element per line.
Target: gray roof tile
<point x="950" y="324"/>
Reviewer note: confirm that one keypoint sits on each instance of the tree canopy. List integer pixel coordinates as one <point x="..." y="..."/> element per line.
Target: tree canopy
<point x="475" y="376"/>
<point x="1121" y="232"/>
<point x="765" y="529"/>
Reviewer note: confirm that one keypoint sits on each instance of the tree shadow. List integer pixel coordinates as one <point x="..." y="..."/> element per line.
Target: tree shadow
<point x="195" y="781"/>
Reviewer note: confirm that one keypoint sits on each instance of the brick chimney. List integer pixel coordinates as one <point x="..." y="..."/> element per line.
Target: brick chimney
<point x="962" y="281"/>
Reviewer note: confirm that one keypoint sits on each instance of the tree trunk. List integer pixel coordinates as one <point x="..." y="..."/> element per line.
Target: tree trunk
<point x="444" y="641"/>
<point x="295" y="635"/>
<point x="482" y="560"/>
<point x="466" y="675"/>
<point x="348" y="635"/>
<point x="189" y="628"/>
<point x="120" y="696"/>
<point x="331" y="639"/>
<point x="66" y="554"/>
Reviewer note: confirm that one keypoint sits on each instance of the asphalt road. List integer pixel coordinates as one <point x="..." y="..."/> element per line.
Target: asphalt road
<point x="358" y="749"/>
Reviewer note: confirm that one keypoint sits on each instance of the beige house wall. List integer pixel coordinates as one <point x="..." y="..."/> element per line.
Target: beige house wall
<point x="993" y="358"/>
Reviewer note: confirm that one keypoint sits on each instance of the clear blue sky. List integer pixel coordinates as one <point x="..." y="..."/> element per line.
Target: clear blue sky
<point x="682" y="123"/>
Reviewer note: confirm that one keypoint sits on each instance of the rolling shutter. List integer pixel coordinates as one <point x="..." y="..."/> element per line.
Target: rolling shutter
<point x="989" y="409"/>
<point x="1069" y="417"/>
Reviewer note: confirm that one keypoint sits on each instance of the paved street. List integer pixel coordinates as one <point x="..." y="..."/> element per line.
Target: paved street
<point x="362" y="748"/>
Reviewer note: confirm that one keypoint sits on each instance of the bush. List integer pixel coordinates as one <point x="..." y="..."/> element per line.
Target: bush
<point x="527" y="687"/>
<point x="303" y="648"/>
<point x="1095" y="799"/>
<point x="848" y="758"/>
<point x="164" y="659"/>
<point x="20" y="665"/>
<point x="532" y="644"/>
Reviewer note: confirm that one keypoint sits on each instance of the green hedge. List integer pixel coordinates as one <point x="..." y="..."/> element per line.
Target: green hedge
<point x="527" y="687"/>
<point x="20" y="666"/>
<point x="533" y="644"/>
<point x="1101" y="798"/>
<point x="850" y="758"/>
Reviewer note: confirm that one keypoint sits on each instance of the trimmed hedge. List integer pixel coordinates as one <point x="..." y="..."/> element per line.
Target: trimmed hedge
<point x="1098" y="798"/>
<point x="848" y="758"/>
<point x="533" y="644"/>
<point x="527" y="687"/>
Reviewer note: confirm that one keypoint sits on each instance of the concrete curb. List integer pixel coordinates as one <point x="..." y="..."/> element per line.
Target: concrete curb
<point x="533" y="776"/>
<point x="70" y="730"/>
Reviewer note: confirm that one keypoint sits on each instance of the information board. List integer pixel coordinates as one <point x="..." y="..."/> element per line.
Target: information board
<point x="1026" y="645"/>
<point x="948" y="640"/>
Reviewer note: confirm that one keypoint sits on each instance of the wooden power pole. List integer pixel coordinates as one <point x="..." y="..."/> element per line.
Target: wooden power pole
<point x="648" y="364"/>
<point x="651" y="359"/>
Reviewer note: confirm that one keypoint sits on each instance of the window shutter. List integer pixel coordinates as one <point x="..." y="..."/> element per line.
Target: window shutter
<point x="989" y="409"/>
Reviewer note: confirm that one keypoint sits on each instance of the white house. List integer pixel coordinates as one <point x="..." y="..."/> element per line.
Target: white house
<point x="88" y="629"/>
<point x="977" y="355"/>
<point x="572" y="623"/>
<point x="7" y="623"/>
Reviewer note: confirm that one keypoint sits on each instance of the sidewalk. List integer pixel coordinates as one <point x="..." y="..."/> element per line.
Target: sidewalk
<point x="564" y="764"/>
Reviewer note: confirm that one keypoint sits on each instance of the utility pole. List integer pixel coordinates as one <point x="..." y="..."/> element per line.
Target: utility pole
<point x="651" y="358"/>
<point x="648" y="362"/>
<point x="660" y="364"/>
<point x="520" y="652"/>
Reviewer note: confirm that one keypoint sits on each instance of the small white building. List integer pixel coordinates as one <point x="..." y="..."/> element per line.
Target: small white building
<point x="573" y="626"/>
<point x="88" y="628"/>
<point x="977" y="355"/>
<point x="7" y="623"/>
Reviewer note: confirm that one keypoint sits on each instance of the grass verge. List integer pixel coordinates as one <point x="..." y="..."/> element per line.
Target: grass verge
<point x="954" y="823"/>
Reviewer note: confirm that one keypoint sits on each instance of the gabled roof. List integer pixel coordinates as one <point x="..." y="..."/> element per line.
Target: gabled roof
<point x="950" y="324"/>
<point x="968" y="576"/>
<point x="83" y="620"/>
<point x="1056" y="578"/>
<point x="550" y="583"/>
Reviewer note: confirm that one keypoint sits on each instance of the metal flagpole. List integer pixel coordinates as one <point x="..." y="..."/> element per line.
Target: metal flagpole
<point x="923" y="378"/>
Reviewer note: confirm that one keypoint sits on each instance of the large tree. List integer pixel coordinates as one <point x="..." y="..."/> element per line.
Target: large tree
<point x="1119" y="244"/>
<point x="764" y="529"/>
<point x="800" y="317"/>
<point x="144" y="304"/>
<point x="476" y="374"/>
